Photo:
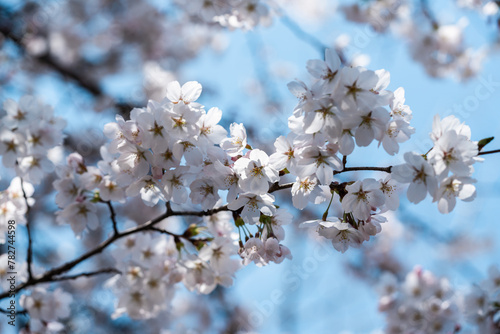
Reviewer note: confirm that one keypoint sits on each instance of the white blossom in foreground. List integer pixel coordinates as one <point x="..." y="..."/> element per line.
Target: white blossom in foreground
<point x="342" y="235"/>
<point x="255" y="172"/>
<point x="419" y="173"/>
<point x="361" y="197"/>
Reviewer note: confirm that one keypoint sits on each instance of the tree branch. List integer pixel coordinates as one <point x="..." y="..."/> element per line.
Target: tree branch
<point x="22" y="312"/>
<point x="29" y="255"/>
<point x="488" y="152"/>
<point x="113" y="217"/>
<point x="87" y="274"/>
<point x="52" y="274"/>
<point x="428" y="14"/>
<point x="352" y="169"/>
<point x="77" y="76"/>
<point x="295" y="28"/>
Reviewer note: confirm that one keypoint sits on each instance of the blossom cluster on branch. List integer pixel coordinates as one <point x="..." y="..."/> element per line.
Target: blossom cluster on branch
<point x="175" y="154"/>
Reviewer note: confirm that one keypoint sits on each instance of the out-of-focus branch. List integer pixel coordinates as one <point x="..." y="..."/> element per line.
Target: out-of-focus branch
<point x="301" y="34"/>
<point x="428" y="14"/>
<point x="88" y="274"/>
<point x="23" y="312"/>
<point x="29" y="256"/>
<point x="7" y="28"/>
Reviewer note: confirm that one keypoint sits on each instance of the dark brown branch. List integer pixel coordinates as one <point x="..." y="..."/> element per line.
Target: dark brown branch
<point x="276" y="186"/>
<point x="88" y="274"/>
<point x="185" y="236"/>
<point x="52" y="274"/>
<point x="488" y="152"/>
<point x="29" y="256"/>
<point x="22" y="312"/>
<point x="352" y="169"/>
<point x="159" y="230"/>
<point x="113" y="217"/>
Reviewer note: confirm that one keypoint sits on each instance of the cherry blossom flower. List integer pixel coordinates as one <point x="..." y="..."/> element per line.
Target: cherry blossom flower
<point x="451" y="188"/>
<point x="314" y="160"/>
<point x="419" y="173"/>
<point x="342" y="235"/>
<point x="253" y="205"/>
<point x="305" y="190"/>
<point x="236" y="144"/>
<point x="175" y="182"/>
<point x="189" y="92"/>
<point x="284" y="157"/>
<point x="255" y="172"/>
<point x="209" y="129"/>
<point x="150" y="189"/>
<point x="79" y="215"/>
<point x="204" y="191"/>
<point x="363" y="197"/>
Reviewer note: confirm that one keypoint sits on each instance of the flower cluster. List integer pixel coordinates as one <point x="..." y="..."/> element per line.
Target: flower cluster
<point x="378" y="14"/>
<point x="174" y="151"/>
<point x="74" y="193"/>
<point x="46" y="309"/>
<point x="485" y="7"/>
<point x="152" y="264"/>
<point x="28" y="131"/>
<point x="345" y="107"/>
<point x="422" y="303"/>
<point x="444" y="172"/>
<point x="13" y="205"/>
<point x="267" y="248"/>
<point x="239" y="14"/>
<point x="482" y="303"/>
<point x="441" y="49"/>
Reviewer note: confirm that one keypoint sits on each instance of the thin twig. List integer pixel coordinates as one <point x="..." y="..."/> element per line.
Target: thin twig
<point x="29" y="255"/>
<point x="87" y="274"/>
<point x="113" y="217"/>
<point x="428" y="14"/>
<point x="488" y="152"/>
<point x="159" y="230"/>
<point x="52" y="274"/>
<point x="180" y="236"/>
<point x="22" y="312"/>
<point x="276" y="186"/>
<point x="352" y="169"/>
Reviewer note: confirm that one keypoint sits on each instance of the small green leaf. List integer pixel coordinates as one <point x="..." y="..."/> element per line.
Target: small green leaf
<point x="483" y="142"/>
